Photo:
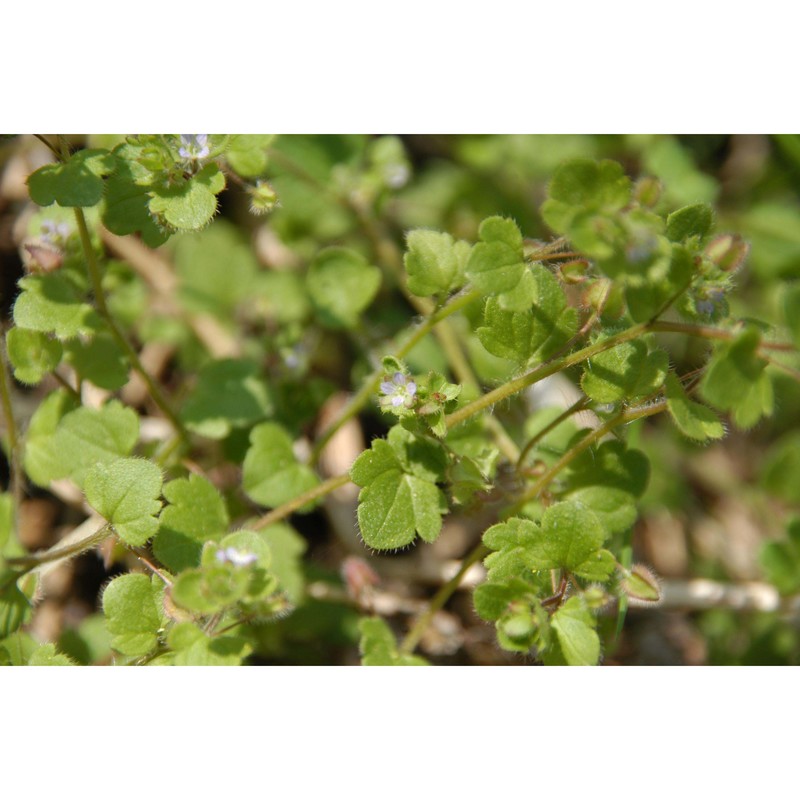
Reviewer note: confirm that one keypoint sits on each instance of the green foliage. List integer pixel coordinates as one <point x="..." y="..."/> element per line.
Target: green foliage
<point x="64" y="441"/>
<point x="435" y="263"/>
<point x="271" y="474"/>
<point x="32" y="354"/>
<point x="399" y="497"/>
<point x="626" y="371"/>
<point x="575" y="628"/>
<point x="77" y="182"/>
<point x="99" y="361"/>
<point x="195" y="513"/>
<point x="780" y="560"/>
<point x="193" y="648"/>
<point x="466" y="427"/>
<point x="52" y="304"/>
<point x="539" y="330"/>
<point x="497" y="263"/>
<point x="379" y="647"/>
<point x="247" y="153"/>
<point x="341" y="284"/>
<point x="126" y="492"/>
<point x="693" y="419"/>
<point x="689" y="221"/>
<point x="736" y="382"/>
<point x="229" y="394"/>
<point x="131" y="604"/>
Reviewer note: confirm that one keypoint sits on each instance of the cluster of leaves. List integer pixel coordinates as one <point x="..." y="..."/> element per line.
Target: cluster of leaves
<point x="588" y="305"/>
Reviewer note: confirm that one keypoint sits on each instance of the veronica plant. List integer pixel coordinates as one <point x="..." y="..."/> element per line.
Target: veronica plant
<point x="191" y="483"/>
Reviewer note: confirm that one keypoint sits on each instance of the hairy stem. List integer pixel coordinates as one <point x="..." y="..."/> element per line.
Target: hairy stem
<point x="370" y="386"/>
<point x="439" y="599"/>
<point x="11" y="430"/>
<point x="326" y="487"/>
<point x="119" y="336"/>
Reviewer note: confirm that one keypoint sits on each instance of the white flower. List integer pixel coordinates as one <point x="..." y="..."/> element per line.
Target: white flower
<point x="399" y="391"/>
<point x="239" y="558"/>
<point x="55" y="233"/>
<point x="194" y="146"/>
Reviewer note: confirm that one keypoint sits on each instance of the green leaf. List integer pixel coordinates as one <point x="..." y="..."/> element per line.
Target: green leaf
<point x="393" y="507"/>
<point x="217" y="269"/>
<point x="696" y="220"/>
<point x="287" y="548"/>
<point x="87" y="437"/>
<point x="46" y="656"/>
<point x="40" y="456"/>
<point x="193" y="648"/>
<point x="624" y="371"/>
<point x="15" y="608"/>
<point x="271" y="473"/>
<point x="51" y="304"/>
<point x="693" y="419"/>
<point x="569" y="538"/>
<point x="191" y="205"/>
<point x="537" y="331"/>
<point x="780" y="474"/>
<point x="380" y="458"/>
<point x="575" y="629"/>
<point x="341" y="284"/>
<point x="126" y="209"/>
<point x="247" y="153"/>
<point x="495" y="267"/>
<point x="647" y="291"/>
<point x="735" y="380"/>
<point x="378" y="646"/>
<point x="195" y="513"/>
<point x="125" y="492"/>
<point x="228" y="394"/>
<point x="432" y="263"/>
<point x="99" y="361"/>
<point x="32" y="354"/>
<point x="612" y="465"/>
<point x="419" y="455"/>
<point x="585" y="183"/>
<point x="77" y="182"/>
<point x="780" y="560"/>
<point x="492" y="599"/>
<point x="131" y="605"/>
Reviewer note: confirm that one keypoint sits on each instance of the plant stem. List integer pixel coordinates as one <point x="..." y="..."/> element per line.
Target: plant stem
<point x="58" y="552"/>
<point x="11" y="429"/>
<point x="622" y="418"/>
<point x="575" y="408"/>
<point x="439" y="599"/>
<point x="542" y="371"/>
<point x="709" y="332"/>
<point x="298" y="502"/>
<point x="370" y="386"/>
<point x="127" y="347"/>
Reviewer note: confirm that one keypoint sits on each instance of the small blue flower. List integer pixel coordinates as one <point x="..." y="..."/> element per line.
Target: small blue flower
<point x="55" y="233"/>
<point x="194" y="146"/>
<point x="399" y="391"/>
<point x="239" y="558"/>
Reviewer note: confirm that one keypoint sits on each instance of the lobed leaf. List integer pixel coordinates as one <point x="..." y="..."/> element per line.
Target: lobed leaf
<point x="126" y="492"/>
<point x="341" y="285"/>
<point x="271" y="473"/>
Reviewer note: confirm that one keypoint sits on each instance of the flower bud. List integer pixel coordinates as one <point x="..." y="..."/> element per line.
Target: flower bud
<point x="728" y="251"/>
<point x="641" y="584"/>
<point x="648" y="191"/>
<point x="574" y="271"/>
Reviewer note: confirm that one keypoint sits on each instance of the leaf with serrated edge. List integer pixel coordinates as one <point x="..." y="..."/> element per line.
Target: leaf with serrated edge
<point x="125" y="492"/>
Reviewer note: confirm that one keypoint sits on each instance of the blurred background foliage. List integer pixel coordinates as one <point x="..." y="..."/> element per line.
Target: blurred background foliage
<point x="722" y="512"/>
